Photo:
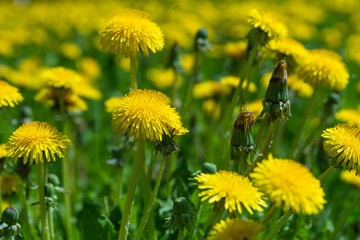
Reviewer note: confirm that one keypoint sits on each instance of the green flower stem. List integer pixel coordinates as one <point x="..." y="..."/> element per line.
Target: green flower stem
<point x="133" y="84"/>
<point x="118" y="186"/>
<point x="51" y="223"/>
<point x="188" y="93"/>
<point x="326" y="173"/>
<point x="196" y="219"/>
<point x="300" y="129"/>
<point x="269" y="214"/>
<point x="266" y="146"/>
<point x="340" y="223"/>
<point x="214" y="218"/>
<point x="278" y="225"/>
<point x="152" y="200"/>
<point x="41" y="185"/>
<point x="24" y="210"/>
<point x="174" y="90"/>
<point x="125" y="221"/>
<point x="181" y="234"/>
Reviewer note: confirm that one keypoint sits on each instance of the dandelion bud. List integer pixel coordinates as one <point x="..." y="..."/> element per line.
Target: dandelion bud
<point x="208" y="168"/>
<point x="201" y="40"/>
<point x="181" y="217"/>
<point x="10" y="216"/>
<point x="166" y="146"/>
<point x="277" y="95"/>
<point x="242" y="138"/>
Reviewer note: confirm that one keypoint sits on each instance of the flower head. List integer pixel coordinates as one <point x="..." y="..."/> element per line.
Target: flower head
<point x="60" y="77"/>
<point x="130" y="32"/>
<point x="37" y="142"/>
<point x="236" y="229"/>
<point x="287" y="47"/>
<point x="324" y="69"/>
<point x="351" y="178"/>
<point x="342" y="143"/>
<point x="350" y="116"/>
<point x="146" y="114"/>
<point x="112" y="103"/>
<point x="207" y="89"/>
<point x="236" y="191"/>
<point x="9" y="95"/>
<point x="290" y="184"/>
<point x="267" y="22"/>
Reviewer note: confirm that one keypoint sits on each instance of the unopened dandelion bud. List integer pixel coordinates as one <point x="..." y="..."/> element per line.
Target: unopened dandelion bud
<point x="277" y="101"/>
<point x="201" y="40"/>
<point x="242" y="138"/>
<point x="208" y="168"/>
<point x="10" y="216"/>
<point x="181" y="206"/>
<point x="181" y="216"/>
<point x="166" y="146"/>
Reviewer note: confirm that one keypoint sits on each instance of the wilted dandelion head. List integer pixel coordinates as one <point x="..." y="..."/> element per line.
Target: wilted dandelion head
<point x="37" y="142"/>
<point x="235" y="190"/>
<point x="324" y="69"/>
<point x="267" y="22"/>
<point x="130" y="32"/>
<point x="342" y="143"/>
<point x="9" y="95"/>
<point x="146" y="114"/>
<point x="289" y="184"/>
<point x="351" y="178"/>
<point x="236" y="229"/>
<point x="60" y="77"/>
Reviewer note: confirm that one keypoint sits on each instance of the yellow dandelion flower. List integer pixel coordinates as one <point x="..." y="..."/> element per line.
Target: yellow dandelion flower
<point x="288" y="47"/>
<point x="37" y="142"/>
<point x="60" y="77"/>
<point x="235" y="49"/>
<point x="290" y="184"/>
<point x="3" y="152"/>
<point x="212" y="108"/>
<point x="301" y="88"/>
<point x="267" y="22"/>
<point x="161" y="78"/>
<point x="323" y="69"/>
<point x="236" y="191"/>
<point x="351" y="178"/>
<point x="9" y="184"/>
<point x="70" y="50"/>
<point x="234" y="82"/>
<point x="350" y="116"/>
<point x="207" y="89"/>
<point x="146" y="114"/>
<point x="112" y="103"/>
<point x="130" y="32"/>
<point x="86" y="90"/>
<point x="255" y="107"/>
<point x="9" y="95"/>
<point x="90" y="67"/>
<point x="187" y="61"/>
<point x="73" y="103"/>
<point x="236" y="229"/>
<point x="342" y="142"/>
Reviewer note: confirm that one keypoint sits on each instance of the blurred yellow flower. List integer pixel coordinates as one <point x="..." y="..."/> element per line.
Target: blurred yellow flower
<point x="235" y="49"/>
<point x="301" y="88"/>
<point x="112" y="103"/>
<point x="146" y="114"/>
<point x="255" y="107"/>
<point x="130" y="32"/>
<point x="60" y="77"/>
<point x="233" y="82"/>
<point x="236" y="229"/>
<point x="267" y="22"/>
<point x="37" y="142"/>
<point x="207" y="89"/>
<point x="212" y="108"/>
<point x="236" y="191"/>
<point x="9" y="184"/>
<point x="350" y="116"/>
<point x="323" y="69"/>
<point x="351" y="178"/>
<point x="187" y="61"/>
<point x="162" y="78"/>
<point x="70" y="50"/>
<point x="290" y="185"/>
<point x="9" y="95"/>
<point x="287" y="47"/>
<point x="90" y="67"/>
<point x="86" y="90"/>
<point x="342" y="143"/>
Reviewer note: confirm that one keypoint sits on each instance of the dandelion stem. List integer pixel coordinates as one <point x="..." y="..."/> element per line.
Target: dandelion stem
<point x="266" y="146"/>
<point x="181" y="234"/>
<point x="275" y="229"/>
<point x="24" y="210"/>
<point x="300" y="129"/>
<point x="197" y="214"/>
<point x="125" y="221"/>
<point x="133" y="84"/>
<point x="269" y="214"/>
<point x="41" y="185"/>
<point x="326" y="173"/>
<point x="50" y="222"/>
<point x="152" y="200"/>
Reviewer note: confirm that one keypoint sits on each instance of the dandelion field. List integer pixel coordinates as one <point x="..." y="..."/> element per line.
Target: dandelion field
<point x="179" y="120"/>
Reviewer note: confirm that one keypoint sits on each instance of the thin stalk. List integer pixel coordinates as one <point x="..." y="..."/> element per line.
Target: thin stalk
<point x="181" y="234"/>
<point x="196" y="219"/>
<point x="41" y="185"/>
<point x="152" y="200"/>
<point x="51" y="223"/>
<point x="266" y="146"/>
<point x="304" y="118"/>
<point x="269" y="214"/>
<point x="326" y="173"/>
<point x="214" y="218"/>
<point x="24" y="210"/>
<point x="118" y="186"/>
<point x="278" y="225"/>
<point x="133" y="84"/>
<point x="341" y="222"/>
<point x="125" y="221"/>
